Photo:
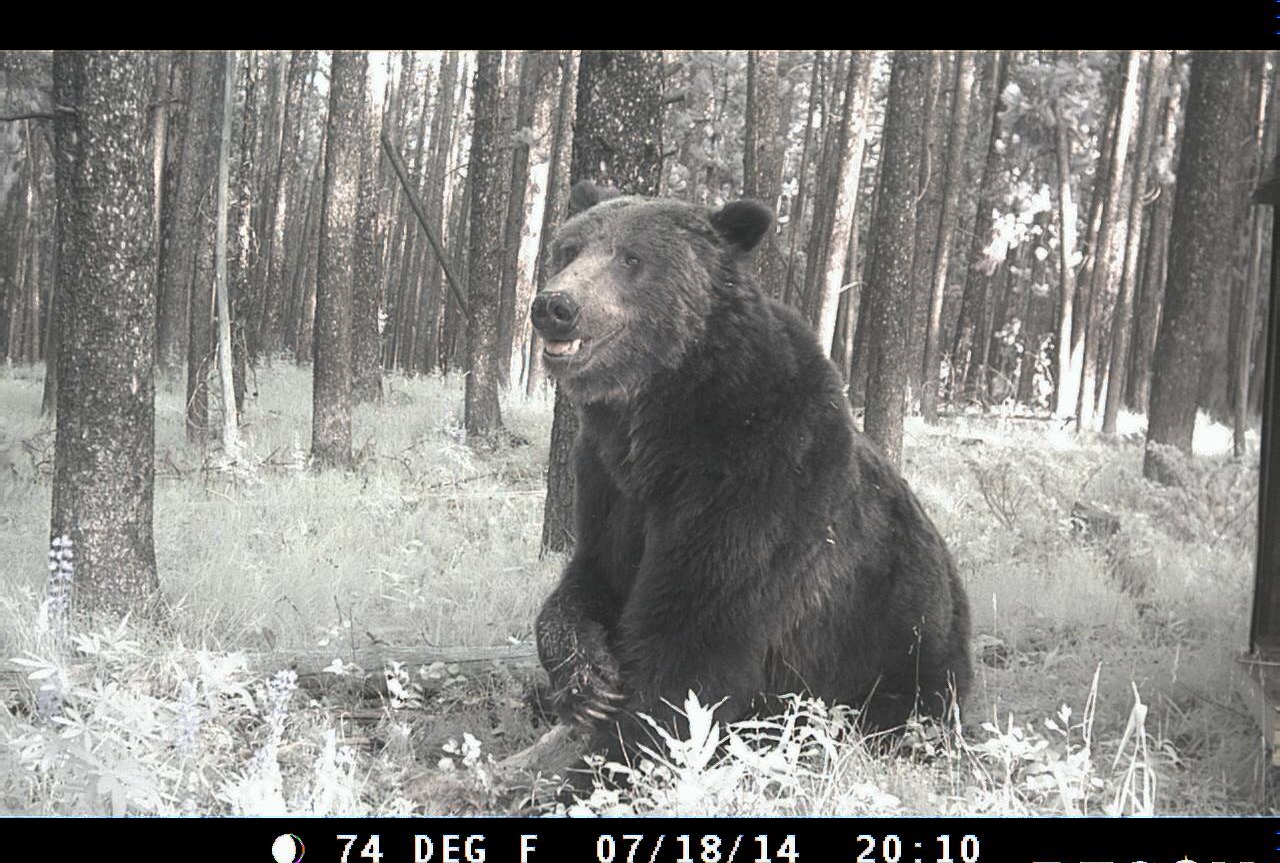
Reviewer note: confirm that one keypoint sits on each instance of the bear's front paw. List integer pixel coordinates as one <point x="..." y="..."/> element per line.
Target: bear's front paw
<point x="587" y="687"/>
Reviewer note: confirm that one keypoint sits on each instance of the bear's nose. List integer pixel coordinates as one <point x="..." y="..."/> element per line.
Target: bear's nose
<point x="555" y="314"/>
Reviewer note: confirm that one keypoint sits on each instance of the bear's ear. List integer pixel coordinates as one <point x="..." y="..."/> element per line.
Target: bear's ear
<point x="585" y="194"/>
<point x="742" y="223"/>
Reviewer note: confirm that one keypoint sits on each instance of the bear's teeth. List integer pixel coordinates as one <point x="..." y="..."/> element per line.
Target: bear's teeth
<point x="563" y="349"/>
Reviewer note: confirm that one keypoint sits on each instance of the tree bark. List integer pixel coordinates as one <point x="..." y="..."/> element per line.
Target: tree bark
<point x="1242" y="344"/>
<point x="928" y="217"/>
<point x="275" y="290"/>
<point x="1108" y="255"/>
<point x="1069" y="360"/>
<point x="971" y="335"/>
<point x="397" y="335"/>
<point x="532" y="72"/>
<point x="410" y="288"/>
<point x="541" y="134"/>
<point x="331" y="388"/>
<point x="1153" y="278"/>
<point x="840" y="221"/>
<point x="557" y="204"/>
<point x="957" y="141"/>
<point x="306" y="265"/>
<point x="795" y="225"/>
<point x="617" y="141"/>
<point x="893" y="237"/>
<point x="246" y="295"/>
<point x="1199" y="251"/>
<point x="230" y="420"/>
<point x="1156" y="65"/>
<point x="366" y="345"/>
<point x="483" y="415"/>
<point x="104" y="462"/>
<point x="438" y="192"/>
<point x="762" y="162"/>
<point x="207" y="69"/>
<point x="191" y="72"/>
<point x="266" y="188"/>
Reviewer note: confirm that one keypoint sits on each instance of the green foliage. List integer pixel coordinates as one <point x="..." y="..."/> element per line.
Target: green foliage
<point x="430" y="541"/>
<point x="708" y="124"/>
<point x="811" y="759"/>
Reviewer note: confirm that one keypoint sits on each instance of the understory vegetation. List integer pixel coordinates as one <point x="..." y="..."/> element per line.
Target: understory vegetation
<point x="1106" y="678"/>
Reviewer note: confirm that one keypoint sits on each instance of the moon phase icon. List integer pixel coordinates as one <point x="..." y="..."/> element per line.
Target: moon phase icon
<point x="287" y="848"/>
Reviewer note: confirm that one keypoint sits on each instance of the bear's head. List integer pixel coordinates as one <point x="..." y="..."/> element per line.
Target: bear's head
<point x="634" y="282"/>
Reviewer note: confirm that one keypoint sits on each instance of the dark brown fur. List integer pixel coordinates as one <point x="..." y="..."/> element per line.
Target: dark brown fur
<point x="736" y="536"/>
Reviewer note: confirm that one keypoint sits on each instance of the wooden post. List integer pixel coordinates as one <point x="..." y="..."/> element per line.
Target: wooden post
<point x="1264" y="633"/>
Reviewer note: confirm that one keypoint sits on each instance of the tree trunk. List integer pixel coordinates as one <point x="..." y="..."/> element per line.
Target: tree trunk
<point x="762" y="162"/>
<point x="387" y="202"/>
<point x="246" y="294"/>
<point x="893" y="236"/>
<point x="835" y="85"/>
<point x="161" y="97"/>
<point x="266" y="188"/>
<point x="207" y="69"/>
<point x="483" y="416"/>
<point x="532" y="73"/>
<point x="104" y="459"/>
<point x="844" y="200"/>
<point x="366" y="346"/>
<point x="441" y="139"/>
<point x="13" y="302"/>
<point x="410" y="288"/>
<point x="1156" y="66"/>
<point x="1255" y="272"/>
<point x="617" y="141"/>
<point x="306" y="265"/>
<point x="541" y="134"/>
<point x="796" y="224"/>
<point x="397" y="335"/>
<point x="1069" y="360"/>
<point x="455" y="213"/>
<point x="971" y="337"/>
<point x="1199" y="251"/>
<point x="191" y="73"/>
<point x="230" y="423"/>
<point x="858" y="352"/>
<point x="275" y="290"/>
<point x="331" y="388"/>
<point x="957" y="140"/>
<point x="928" y="216"/>
<point x="1153" y="279"/>
<point x="1108" y="255"/>
<point x="1037" y="318"/>
<point x="557" y="200"/>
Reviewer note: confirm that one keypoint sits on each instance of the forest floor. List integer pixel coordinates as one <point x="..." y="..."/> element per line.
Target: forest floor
<point x="1106" y="673"/>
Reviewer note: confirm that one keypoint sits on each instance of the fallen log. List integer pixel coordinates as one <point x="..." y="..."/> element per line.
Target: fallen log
<point x="1093" y="522"/>
<point x="363" y="667"/>
<point x="509" y="783"/>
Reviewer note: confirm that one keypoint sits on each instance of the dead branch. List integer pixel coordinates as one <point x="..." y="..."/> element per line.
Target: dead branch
<point x="403" y="173"/>
<point x="553" y="754"/>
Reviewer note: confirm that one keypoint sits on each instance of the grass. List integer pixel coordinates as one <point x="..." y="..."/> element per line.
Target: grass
<point x="1105" y="678"/>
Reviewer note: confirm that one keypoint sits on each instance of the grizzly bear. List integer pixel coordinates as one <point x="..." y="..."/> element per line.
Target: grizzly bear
<point x="736" y="536"/>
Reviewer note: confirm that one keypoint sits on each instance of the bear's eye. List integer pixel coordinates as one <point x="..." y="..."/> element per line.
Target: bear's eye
<point x="630" y="261"/>
<point x="565" y="255"/>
